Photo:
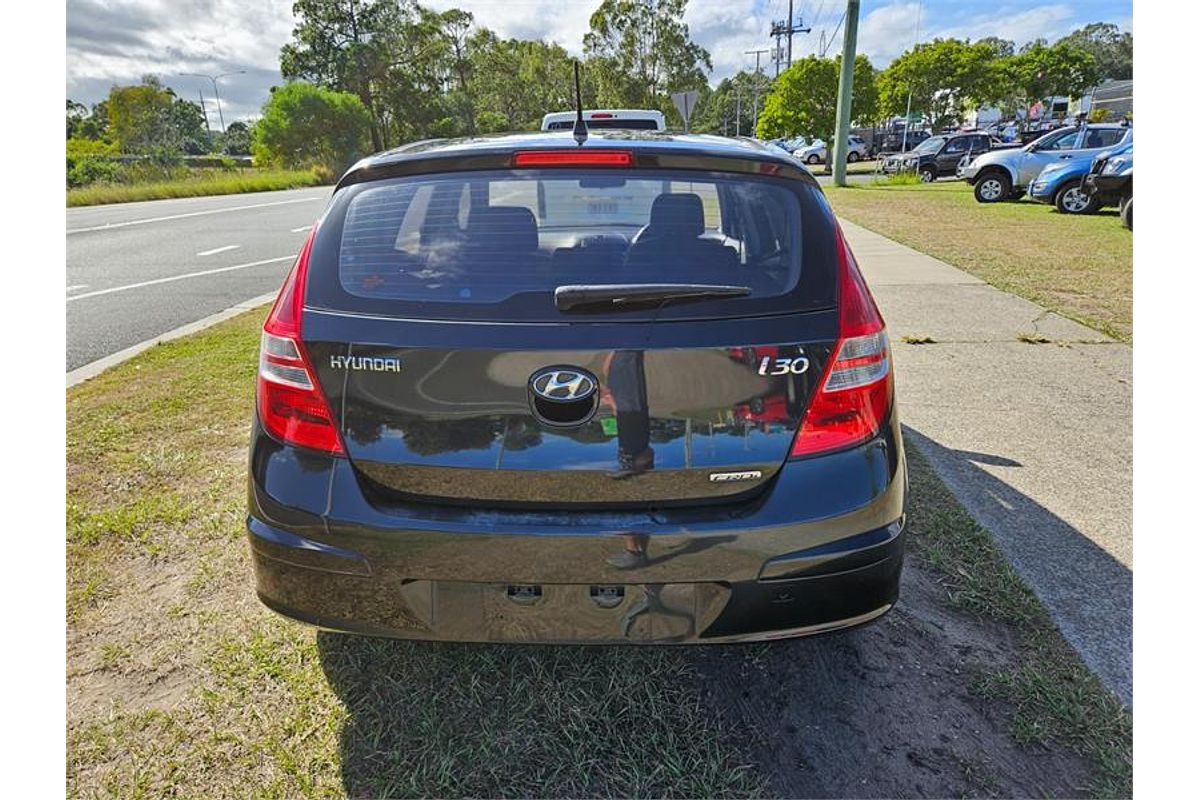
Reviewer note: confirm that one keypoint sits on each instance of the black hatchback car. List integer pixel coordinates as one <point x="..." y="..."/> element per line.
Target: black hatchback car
<point x="517" y="389"/>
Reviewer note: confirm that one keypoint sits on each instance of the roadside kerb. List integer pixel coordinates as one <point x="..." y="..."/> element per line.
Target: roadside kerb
<point x="94" y="368"/>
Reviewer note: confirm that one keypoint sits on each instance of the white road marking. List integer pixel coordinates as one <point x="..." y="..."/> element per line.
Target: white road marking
<point x="179" y="277"/>
<point x="302" y="229"/>
<point x="80" y="374"/>
<point x="114" y="225"/>
<point x="77" y="286"/>
<point x="216" y="250"/>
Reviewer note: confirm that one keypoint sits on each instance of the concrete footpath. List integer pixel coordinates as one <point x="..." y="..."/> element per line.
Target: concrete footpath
<point x="1036" y="440"/>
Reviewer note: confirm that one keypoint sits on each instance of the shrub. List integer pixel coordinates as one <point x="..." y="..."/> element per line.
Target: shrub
<point x="307" y="126"/>
<point x="79" y="147"/>
<point x="87" y="170"/>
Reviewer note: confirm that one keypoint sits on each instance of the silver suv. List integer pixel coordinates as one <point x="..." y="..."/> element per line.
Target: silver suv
<point x="1005" y="174"/>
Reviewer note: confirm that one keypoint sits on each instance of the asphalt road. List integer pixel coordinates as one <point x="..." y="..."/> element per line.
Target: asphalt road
<point x="138" y="270"/>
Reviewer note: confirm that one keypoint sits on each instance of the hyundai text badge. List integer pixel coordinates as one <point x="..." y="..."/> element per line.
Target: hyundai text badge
<point x="563" y="396"/>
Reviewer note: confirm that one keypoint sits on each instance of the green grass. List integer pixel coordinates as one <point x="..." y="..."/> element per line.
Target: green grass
<point x="181" y="683"/>
<point x="159" y="595"/>
<point x="1052" y="694"/>
<point x="1079" y="266"/>
<point x="203" y="182"/>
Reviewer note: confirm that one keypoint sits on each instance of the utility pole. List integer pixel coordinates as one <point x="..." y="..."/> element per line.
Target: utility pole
<point x="788" y="27"/>
<point x="757" y="57"/>
<point x="207" y="130"/>
<point x="841" y="135"/>
<point x="737" y="93"/>
<point x="216" y="91"/>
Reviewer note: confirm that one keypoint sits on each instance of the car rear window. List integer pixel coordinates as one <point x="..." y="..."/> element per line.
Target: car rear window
<point x="497" y="244"/>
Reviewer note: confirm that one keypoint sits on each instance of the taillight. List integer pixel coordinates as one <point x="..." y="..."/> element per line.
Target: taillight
<point x="855" y="393"/>
<point x="578" y="157"/>
<point x="291" y="405"/>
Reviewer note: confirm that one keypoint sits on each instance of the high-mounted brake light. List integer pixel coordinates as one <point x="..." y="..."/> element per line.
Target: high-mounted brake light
<point x="855" y="392"/>
<point x="573" y="158"/>
<point x="291" y="405"/>
<point x="601" y="115"/>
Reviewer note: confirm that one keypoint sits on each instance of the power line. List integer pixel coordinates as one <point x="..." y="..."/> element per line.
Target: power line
<point x="832" y="36"/>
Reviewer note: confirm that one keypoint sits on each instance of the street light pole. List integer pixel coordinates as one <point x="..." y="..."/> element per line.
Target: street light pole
<point x="216" y="91"/>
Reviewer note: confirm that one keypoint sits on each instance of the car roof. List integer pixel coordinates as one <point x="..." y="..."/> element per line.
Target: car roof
<point x="480" y="152"/>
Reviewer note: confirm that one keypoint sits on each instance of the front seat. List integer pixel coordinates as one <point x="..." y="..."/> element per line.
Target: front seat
<point x="670" y="249"/>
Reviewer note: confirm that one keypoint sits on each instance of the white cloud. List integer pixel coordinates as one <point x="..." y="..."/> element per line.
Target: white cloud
<point x="118" y="41"/>
<point x="558" y="21"/>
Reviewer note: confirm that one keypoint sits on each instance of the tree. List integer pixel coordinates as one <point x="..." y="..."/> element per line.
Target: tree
<point x="642" y="51"/>
<point x="1111" y="49"/>
<point x="82" y="124"/>
<point x="308" y="126"/>
<point x="347" y="45"/>
<point x="518" y="81"/>
<point x="804" y="98"/>
<point x="1060" y="70"/>
<point x="237" y="139"/>
<point x="717" y="110"/>
<point x="190" y="126"/>
<point x="999" y="48"/>
<point x="140" y="116"/>
<point x="942" y="78"/>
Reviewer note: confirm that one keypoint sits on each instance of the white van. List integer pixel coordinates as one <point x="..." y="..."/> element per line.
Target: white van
<point x="627" y="118"/>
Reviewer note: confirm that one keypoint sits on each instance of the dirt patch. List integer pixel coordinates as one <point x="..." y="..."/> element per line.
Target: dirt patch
<point x="888" y="710"/>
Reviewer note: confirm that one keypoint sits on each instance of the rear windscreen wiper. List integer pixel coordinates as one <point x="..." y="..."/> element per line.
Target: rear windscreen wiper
<point x="619" y="296"/>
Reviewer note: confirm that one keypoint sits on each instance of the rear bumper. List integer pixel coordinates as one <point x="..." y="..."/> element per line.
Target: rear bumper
<point x="821" y="550"/>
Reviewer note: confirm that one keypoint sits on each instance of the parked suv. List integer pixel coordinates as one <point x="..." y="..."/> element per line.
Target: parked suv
<point x="1005" y="174"/>
<point x="1110" y="182"/>
<point x="941" y="156"/>
<point x="1061" y="184"/>
<point x="520" y="390"/>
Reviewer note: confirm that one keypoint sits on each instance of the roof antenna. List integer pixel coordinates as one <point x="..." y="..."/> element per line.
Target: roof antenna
<point x="580" y="131"/>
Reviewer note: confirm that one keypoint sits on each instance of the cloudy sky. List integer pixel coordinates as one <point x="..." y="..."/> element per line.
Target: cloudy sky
<point x="117" y="41"/>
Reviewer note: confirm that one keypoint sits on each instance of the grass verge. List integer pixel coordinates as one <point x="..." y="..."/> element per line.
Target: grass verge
<point x="180" y="683"/>
<point x="203" y="182"/>
<point x="1053" y="696"/>
<point x="1079" y="266"/>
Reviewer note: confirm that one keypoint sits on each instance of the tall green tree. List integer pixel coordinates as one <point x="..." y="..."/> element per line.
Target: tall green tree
<point x="85" y="124"/>
<point x="942" y="78"/>
<point x="1039" y="71"/>
<point x="237" y="139"/>
<point x="348" y="45"/>
<point x="190" y="126"/>
<point x="1111" y="49"/>
<point x="804" y="98"/>
<point x="309" y="126"/>
<point x="642" y="51"/>
<point x="146" y="118"/>
<point x="516" y="81"/>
